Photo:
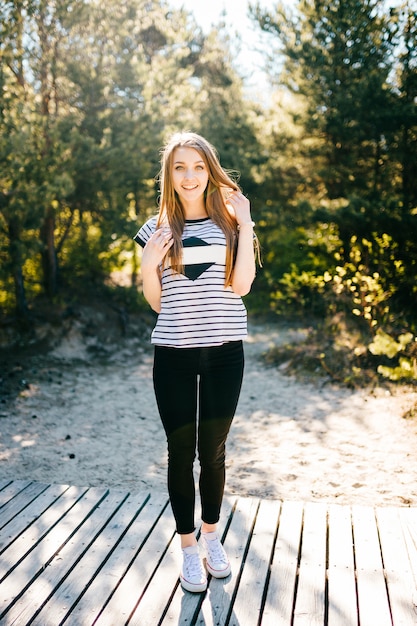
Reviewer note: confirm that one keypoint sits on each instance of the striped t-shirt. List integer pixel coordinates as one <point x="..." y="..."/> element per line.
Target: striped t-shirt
<point x="196" y="309"/>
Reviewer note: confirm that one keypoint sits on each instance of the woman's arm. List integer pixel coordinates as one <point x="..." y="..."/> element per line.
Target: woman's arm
<point x="244" y="269"/>
<point x="153" y="254"/>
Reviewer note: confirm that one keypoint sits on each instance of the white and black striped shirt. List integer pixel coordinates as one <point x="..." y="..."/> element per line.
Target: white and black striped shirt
<point x="196" y="309"/>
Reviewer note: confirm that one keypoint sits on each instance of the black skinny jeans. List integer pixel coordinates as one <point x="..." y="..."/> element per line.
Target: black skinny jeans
<point x="197" y="390"/>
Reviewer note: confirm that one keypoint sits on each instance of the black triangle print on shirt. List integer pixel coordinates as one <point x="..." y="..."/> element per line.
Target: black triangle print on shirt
<point x="194" y="270"/>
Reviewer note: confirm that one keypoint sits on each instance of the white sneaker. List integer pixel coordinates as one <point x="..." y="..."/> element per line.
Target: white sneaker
<point x="217" y="563"/>
<point x="193" y="577"/>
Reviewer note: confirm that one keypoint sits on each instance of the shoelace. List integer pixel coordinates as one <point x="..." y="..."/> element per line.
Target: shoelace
<point x="192" y="566"/>
<point x="216" y="552"/>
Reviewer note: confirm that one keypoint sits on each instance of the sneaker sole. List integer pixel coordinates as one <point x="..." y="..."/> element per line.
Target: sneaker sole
<point x="185" y="584"/>
<point x="223" y="573"/>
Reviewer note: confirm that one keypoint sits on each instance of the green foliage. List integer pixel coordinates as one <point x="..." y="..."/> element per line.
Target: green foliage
<point x="299" y="290"/>
<point x="361" y="288"/>
<point x="404" y="347"/>
<point x="406" y="369"/>
<point x="337" y="56"/>
<point x="88" y="94"/>
<point x="352" y="300"/>
<point x="351" y="70"/>
<point x="385" y="344"/>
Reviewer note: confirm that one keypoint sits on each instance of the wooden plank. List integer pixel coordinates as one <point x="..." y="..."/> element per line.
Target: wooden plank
<point x="110" y="529"/>
<point x="372" y="591"/>
<point x="152" y="605"/>
<point x="11" y="490"/>
<point x="342" y="599"/>
<point x="113" y="571"/>
<point x="310" y="600"/>
<point x="408" y="519"/>
<point x="29" y="514"/>
<point x="279" y="602"/>
<point x="55" y="589"/>
<point x="142" y="570"/>
<point x="35" y="560"/>
<point x="217" y="606"/>
<point x="249" y="601"/>
<point x="4" y="482"/>
<point x="185" y="605"/>
<point x="26" y="541"/>
<point x="21" y="501"/>
<point x="400" y="581"/>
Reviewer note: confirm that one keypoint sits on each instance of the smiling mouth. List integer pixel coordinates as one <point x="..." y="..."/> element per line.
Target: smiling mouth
<point x="189" y="187"/>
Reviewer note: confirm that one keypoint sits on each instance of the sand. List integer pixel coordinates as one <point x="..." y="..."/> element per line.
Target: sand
<point x="92" y="421"/>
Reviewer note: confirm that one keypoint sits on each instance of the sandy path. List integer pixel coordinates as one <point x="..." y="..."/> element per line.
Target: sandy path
<point x="87" y="424"/>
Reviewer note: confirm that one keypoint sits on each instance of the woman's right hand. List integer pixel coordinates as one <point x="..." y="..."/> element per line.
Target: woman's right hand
<point x="153" y="254"/>
<point x="156" y="248"/>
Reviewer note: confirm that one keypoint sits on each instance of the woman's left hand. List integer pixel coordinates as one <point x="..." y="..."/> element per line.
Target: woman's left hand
<point x="240" y="206"/>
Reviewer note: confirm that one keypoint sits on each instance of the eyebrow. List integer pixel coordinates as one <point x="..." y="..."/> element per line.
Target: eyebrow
<point x="182" y="162"/>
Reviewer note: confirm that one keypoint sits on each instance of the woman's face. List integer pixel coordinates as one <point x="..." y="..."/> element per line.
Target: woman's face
<point x="189" y="174"/>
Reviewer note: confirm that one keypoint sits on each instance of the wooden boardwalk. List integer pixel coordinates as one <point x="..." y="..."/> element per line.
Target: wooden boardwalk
<point x="79" y="556"/>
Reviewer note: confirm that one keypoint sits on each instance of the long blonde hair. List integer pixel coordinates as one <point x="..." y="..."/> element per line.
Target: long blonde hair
<point x="219" y="186"/>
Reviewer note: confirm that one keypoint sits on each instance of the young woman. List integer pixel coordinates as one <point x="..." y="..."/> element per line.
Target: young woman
<point x="198" y="260"/>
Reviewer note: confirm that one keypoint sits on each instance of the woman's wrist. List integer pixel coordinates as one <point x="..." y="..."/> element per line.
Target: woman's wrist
<point x="245" y="225"/>
<point x="150" y="266"/>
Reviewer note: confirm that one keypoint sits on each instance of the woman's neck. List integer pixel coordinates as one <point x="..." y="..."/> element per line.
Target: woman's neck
<point x="195" y="211"/>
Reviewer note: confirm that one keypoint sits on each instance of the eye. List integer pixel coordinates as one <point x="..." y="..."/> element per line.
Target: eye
<point x="199" y="167"/>
<point x="178" y="167"/>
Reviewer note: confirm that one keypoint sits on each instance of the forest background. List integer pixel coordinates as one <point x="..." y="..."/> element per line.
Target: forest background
<point x="89" y="92"/>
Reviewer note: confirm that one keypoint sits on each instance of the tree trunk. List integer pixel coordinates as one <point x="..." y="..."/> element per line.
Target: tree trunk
<point x="49" y="260"/>
<point x="22" y="310"/>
